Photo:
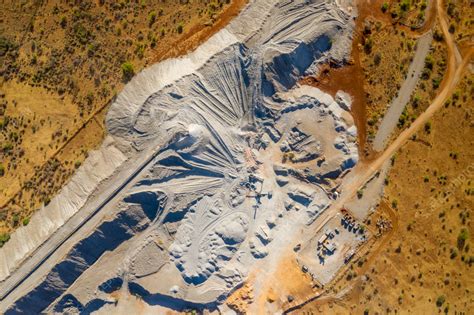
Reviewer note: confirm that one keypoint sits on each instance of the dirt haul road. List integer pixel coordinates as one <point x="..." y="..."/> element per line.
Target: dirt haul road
<point x="454" y="74"/>
<point x="365" y="171"/>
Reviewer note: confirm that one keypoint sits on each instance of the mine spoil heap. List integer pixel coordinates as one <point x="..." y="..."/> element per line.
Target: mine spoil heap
<point x="240" y="158"/>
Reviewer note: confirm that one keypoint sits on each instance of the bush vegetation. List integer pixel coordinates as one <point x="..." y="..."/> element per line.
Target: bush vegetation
<point x="127" y="70"/>
<point x="4" y="237"/>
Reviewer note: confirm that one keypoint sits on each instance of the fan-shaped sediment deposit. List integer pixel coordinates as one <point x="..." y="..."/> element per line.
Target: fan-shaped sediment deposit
<point x="225" y="157"/>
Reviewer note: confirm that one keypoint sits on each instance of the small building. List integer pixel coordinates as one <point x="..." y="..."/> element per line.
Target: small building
<point x="322" y="239"/>
<point x="331" y="247"/>
<point x="349" y="256"/>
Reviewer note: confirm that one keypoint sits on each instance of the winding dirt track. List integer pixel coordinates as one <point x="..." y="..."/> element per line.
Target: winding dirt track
<point x="453" y="75"/>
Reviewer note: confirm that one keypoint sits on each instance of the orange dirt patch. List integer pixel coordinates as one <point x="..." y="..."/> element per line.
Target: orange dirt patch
<point x="240" y="299"/>
<point x="350" y="77"/>
<point x="288" y="286"/>
<point x="199" y="33"/>
<point x="422" y="267"/>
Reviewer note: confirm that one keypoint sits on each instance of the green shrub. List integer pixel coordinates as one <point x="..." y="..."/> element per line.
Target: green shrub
<point x="428" y="127"/>
<point x="63" y="22"/>
<point x="369" y="43"/>
<point x="384" y="7"/>
<point x="395" y="203"/>
<point x="5" y="46"/>
<point x="405" y="5"/>
<point x="377" y="59"/>
<point x="7" y="147"/>
<point x="429" y="62"/>
<point x="4" y="237"/>
<point x="451" y="9"/>
<point x="151" y="18"/>
<point x="462" y="238"/>
<point x="15" y="219"/>
<point x="2" y="169"/>
<point x="140" y="50"/>
<point x="180" y="28"/>
<point x="436" y="82"/>
<point x="82" y="34"/>
<point x="440" y="300"/>
<point x="454" y="253"/>
<point x="416" y="100"/>
<point x="127" y="70"/>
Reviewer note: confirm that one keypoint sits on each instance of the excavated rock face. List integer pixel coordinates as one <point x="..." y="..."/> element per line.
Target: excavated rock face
<point x="106" y="237"/>
<point x="243" y="157"/>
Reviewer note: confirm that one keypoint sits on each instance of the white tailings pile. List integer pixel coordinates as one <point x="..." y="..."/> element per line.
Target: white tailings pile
<point x="99" y="165"/>
<point x="241" y="158"/>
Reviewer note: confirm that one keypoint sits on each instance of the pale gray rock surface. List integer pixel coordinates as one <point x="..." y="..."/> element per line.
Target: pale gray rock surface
<point x="243" y="157"/>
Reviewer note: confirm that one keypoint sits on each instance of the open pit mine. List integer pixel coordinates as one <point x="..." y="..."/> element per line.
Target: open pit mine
<point x="212" y="162"/>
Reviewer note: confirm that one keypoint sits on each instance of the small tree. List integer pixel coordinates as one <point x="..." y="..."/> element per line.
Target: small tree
<point x="377" y="59"/>
<point x="429" y="62"/>
<point x="384" y="7"/>
<point x="405" y="5"/>
<point x="438" y="36"/>
<point x="2" y="170"/>
<point x="462" y="238"/>
<point x="440" y="300"/>
<point x="127" y="70"/>
<point x="452" y="28"/>
<point x="63" y="22"/>
<point x="428" y="127"/>
<point x="394" y="203"/>
<point x="15" y="219"/>
<point x="180" y="28"/>
<point x="4" y="238"/>
<point x="369" y="43"/>
<point x="152" y="18"/>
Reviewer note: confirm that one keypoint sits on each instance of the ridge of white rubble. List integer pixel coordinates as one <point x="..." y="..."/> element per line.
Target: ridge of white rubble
<point x="242" y="155"/>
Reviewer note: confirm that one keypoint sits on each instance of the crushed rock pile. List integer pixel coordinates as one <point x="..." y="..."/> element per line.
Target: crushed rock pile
<point x="236" y="156"/>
